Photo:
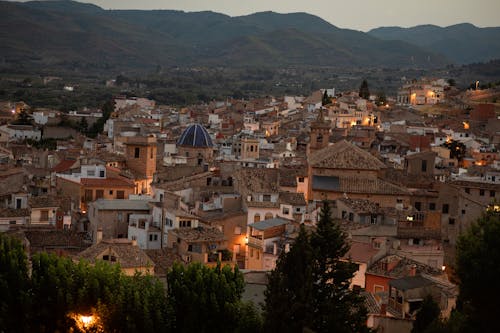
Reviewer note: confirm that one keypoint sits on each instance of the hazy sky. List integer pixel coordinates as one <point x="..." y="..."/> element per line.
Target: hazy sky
<point x="354" y="14"/>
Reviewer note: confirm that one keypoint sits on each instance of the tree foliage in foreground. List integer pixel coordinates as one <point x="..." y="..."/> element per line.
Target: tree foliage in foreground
<point x="199" y="298"/>
<point x="478" y="269"/>
<point x="209" y="300"/>
<point x="309" y="289"/>
<point x="427" y="315"/>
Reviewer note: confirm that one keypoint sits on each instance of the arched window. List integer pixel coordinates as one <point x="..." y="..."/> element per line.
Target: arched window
<point x="319" y="138"/>
<point x="256" y="218"/>
<point x="269" y="216"/>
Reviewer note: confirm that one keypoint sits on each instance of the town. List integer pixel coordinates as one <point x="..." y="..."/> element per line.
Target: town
<point x="232" y="182"/>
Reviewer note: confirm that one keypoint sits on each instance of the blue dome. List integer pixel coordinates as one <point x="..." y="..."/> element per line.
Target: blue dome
<point x="195" y="136"/>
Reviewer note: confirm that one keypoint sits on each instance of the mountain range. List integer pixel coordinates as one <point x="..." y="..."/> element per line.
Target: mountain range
<point x="68" y="33"/>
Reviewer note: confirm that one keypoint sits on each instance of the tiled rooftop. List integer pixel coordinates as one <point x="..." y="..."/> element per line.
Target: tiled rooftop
<point x="200" y="234"/>
<point x="344" y="155"/>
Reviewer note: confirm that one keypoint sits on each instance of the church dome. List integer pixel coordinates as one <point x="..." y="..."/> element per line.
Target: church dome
<point x="195" y="136"/>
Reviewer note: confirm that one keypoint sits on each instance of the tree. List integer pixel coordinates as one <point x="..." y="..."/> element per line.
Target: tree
<point x="457" y="149"/>
<point x="206" y="299"/>
<point x="326" y="99"/>
<point x="83" y="125"/>
<point x="289" y="293"/>
<point x="23" y="118"/>
<point x="427" y="315"/>
<point x="381" y="98"/>
<point x="337" y="308"/>
<point x="364" y="92"/>
<point x="315" y="288"/>
<point x="478" y="255"/>
<point x="14" y="286"/>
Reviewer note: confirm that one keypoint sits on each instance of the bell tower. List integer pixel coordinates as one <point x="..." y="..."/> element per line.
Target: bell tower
<point x="320" y="134"/>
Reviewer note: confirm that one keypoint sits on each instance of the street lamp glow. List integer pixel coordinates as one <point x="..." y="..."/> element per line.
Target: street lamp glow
<point x="86" y="320"/>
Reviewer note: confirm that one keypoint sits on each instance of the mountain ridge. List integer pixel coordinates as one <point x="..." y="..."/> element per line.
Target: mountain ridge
<point x="68" y="32"/>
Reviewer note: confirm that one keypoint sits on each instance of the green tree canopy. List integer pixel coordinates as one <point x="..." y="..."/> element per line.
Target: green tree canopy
<point x="317" y="284"/>
<point x="289" y="293"/>
<point x="478" y="269"/>
<point x="427" y="315"/>
<point x="364" y="92"/>
<point x="326" y="99"/>
<point x="207" y="299"/>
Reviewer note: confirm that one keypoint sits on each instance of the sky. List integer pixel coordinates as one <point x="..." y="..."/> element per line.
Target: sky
<point x="352" y="14"/>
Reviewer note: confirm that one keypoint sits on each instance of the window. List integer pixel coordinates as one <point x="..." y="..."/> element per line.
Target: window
<point x="19" y="203"/>
<point x="99" y="194"/>
<point x="266" y="197"/>
<point x="44" y="215"/>
<point x="168" y="222"/>
<point x="432" y="206"/>
<point x="297" y="210"/>
<point x="190" y="248"/>
<point x="185" y="224"/>
<point x="268" y="216"/>
<point x="351" y="217"/>
<point x="153" y="237"/>
<point x="481" y="192"/>
<point x="467" y="190"/>
<point x="418" y="206"/>
<point x="378" y="289"/>
<point x="110" y="192"/>
<point x="286" y="211"/>
<point x="257" y="255"/>
<point x="344" y="214"/>
<point x="301" y="179"/>
<point x="88" y="195"/>
<point x="256" y="218"/>
<point x="319" y="138"/>
<point x="12" y="222"/>
<point x="120" y="194"/>
<point x="424" y="166"/>
<point x="451" y="221"/>
<point x="101" y="173"/>
<point x="446" y="209"/>
<point x="463" y="211"/>
<point x="151" y="153"/>
<point x="492" y="194"/>
<point x="251" y="253"/>
<point x="137" y="151"/>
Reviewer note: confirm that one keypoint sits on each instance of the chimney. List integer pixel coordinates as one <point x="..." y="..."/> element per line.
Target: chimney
<point x="413" y="270"/>
<point x="98" y="236"/>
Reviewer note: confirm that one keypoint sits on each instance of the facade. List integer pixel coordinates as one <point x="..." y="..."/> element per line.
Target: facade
<point x="111" y="217"/>
<point x="344" y="169"/>
<point x="140" y="155"/>
<point x="124" y="252"/>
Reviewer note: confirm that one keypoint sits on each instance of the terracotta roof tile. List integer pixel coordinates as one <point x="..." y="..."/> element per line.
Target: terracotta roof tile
<point x="106" y="182"/>
<point x="345" y="155"/>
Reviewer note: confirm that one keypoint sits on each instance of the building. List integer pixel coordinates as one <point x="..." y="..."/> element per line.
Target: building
<point x="344" y="169"/>
<point x="266" y="240"/>
<point x="111" y="217"/>
<point x="201" y="244"/>
<point x="140" y="157"/>
<point x="123" y="252"/>
<point x="196" y="145"/>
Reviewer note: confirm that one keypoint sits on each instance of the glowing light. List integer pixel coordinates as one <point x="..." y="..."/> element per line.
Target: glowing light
<point x="443" y="267"/>
<point x="86" y="320"/>
<point x="466" y="125"/>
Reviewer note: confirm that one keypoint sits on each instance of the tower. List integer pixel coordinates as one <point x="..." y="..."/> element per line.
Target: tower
<point x="140" y="155"/>
<point x="320" y="134"/>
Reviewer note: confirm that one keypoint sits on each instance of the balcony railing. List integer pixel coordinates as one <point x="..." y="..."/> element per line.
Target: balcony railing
<point x="255" y="242"/>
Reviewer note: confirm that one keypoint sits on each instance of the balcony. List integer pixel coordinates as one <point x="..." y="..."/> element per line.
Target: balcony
<point x="256" y="242"/>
